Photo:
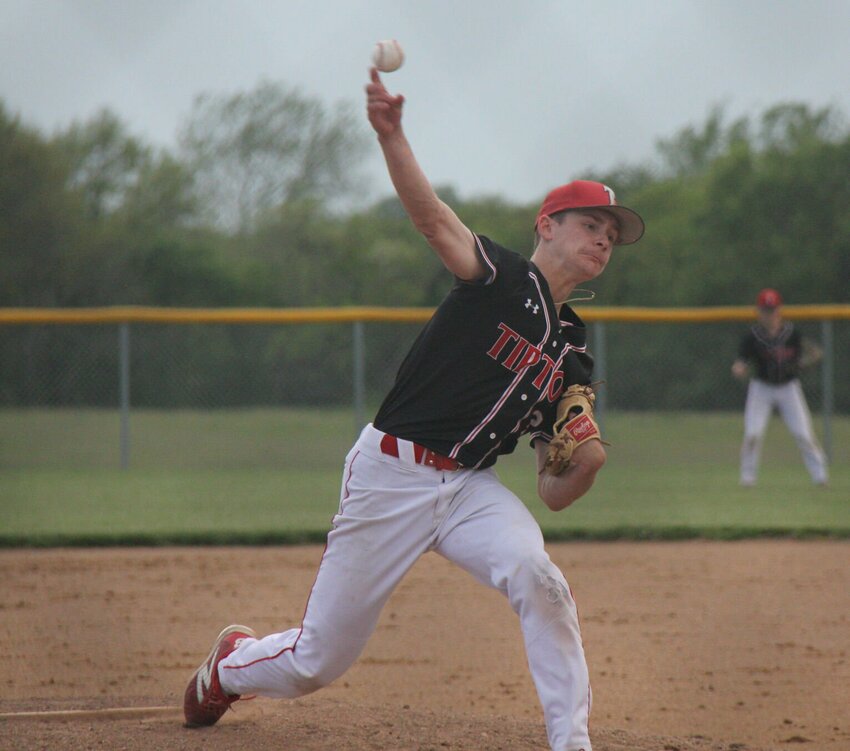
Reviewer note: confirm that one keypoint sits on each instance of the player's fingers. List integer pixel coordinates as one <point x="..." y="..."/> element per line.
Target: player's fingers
<point x="376" y="92"/>
<point x="378" y="103"/>
<point x="377" y="110"/>
<point x="376" y="88"/>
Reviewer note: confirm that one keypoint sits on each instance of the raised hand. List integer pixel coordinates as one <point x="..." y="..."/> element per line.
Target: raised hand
<point x="384" y="110"/>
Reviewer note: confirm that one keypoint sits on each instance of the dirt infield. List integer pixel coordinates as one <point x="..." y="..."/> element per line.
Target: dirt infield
<point x="692" y="646"/>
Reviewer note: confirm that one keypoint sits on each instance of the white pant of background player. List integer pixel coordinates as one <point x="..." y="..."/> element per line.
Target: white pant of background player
<point x="392" y="511"/>
<point x="789" y="401"/>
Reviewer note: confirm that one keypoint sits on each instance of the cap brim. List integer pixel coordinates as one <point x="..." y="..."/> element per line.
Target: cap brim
<point x="631" y="225"/>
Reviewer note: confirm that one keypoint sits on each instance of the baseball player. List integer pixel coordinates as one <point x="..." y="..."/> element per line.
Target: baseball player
<point x="776" y="352"/>
<point x="490" y="367"/>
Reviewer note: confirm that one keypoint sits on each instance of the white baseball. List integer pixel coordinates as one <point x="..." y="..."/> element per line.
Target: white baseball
<point x="388" y="55"/>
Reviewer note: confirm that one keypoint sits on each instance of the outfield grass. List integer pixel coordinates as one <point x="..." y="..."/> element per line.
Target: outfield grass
<point x="272" y="476"/>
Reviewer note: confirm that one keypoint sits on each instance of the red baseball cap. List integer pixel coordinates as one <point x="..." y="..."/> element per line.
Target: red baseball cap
<point x="586" y="194"/>
<point x="769" y="298"/>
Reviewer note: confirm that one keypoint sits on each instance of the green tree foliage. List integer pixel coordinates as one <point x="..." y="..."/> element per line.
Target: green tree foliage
<point x="251" y="211"/>
<point x="139" y="239"/>
<point x="162" y="197"/>
<point x="693" y="149"/>
<point x="104" y="162"/>
<point x="39" y="217"/>
<point x="778" y="207"/>
<point x="739" y="207"/>
<point x="253" y="151"/>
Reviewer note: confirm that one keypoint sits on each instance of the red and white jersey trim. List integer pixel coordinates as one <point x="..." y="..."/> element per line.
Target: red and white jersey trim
<point x="487" y="262"/>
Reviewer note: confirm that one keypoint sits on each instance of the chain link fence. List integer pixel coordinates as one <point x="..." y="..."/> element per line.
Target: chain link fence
<point x="206" y="393"/>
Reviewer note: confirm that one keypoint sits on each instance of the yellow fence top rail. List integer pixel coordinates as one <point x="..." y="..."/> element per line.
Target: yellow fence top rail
<point x="141" y="314"/>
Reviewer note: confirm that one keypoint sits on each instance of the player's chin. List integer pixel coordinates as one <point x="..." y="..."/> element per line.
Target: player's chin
<point x="593" y="268"/>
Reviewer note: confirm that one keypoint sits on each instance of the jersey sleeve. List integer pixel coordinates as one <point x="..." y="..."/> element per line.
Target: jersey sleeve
<point x="499" y="261"/>
<point x="545" y="429"/>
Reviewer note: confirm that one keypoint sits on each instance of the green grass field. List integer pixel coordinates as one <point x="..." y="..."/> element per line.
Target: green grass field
<point x="272" y="476"/>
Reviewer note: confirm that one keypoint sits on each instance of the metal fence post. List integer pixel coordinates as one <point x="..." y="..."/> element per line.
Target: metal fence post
<point x="828" y="384"/>
<point x="359" y="350"/>
<point x="600" y="369"/>
<point x="124" y="389"/>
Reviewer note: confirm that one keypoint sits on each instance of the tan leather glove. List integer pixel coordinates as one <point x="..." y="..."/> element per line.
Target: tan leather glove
<point x="574" y="425"/>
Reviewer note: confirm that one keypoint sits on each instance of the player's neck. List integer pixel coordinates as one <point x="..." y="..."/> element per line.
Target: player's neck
<point x="772" y="327"/>
<point x="560" y="286"/>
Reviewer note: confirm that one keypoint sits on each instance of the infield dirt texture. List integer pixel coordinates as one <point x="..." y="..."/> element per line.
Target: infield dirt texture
<point x="691" y="645"/>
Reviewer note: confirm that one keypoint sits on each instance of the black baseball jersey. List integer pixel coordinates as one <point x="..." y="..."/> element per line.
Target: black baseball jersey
<point x="489" y="366"/>
<point x="776" y="359"/>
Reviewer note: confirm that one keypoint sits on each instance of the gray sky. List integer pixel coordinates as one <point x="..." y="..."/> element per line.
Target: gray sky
<point x="503" y="97"/>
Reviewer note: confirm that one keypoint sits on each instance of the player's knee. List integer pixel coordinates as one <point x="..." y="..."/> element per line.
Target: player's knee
<point x="323" y="676"/>
<point x="323" y="664"/>
<point x="751" y="442"/>
<point x="536" y="582"/>
<point x="519" y="554"/>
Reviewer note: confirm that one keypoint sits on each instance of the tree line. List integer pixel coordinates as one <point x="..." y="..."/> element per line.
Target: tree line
<point x="260" y="204"/>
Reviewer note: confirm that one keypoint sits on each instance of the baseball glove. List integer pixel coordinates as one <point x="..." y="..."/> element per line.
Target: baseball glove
<point x="574" y="426"/>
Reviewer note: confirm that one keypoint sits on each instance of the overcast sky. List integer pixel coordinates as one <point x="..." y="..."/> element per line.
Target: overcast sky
<point x="505" y="97"/>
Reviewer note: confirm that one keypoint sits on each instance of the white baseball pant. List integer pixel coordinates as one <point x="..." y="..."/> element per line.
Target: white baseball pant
<point x="789" y="401"/>
<point x="392" y="511"/>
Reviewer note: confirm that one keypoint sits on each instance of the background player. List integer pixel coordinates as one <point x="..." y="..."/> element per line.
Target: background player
<point x="488" y="368"/>
<point x="776" y="352"/>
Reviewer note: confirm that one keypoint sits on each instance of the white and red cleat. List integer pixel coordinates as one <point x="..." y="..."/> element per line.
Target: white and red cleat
<point x="205" y="701"/>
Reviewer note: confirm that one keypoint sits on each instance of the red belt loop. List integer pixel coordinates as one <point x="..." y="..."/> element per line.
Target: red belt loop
<point x="421" y="455"/>
<point x="389" y="445"/>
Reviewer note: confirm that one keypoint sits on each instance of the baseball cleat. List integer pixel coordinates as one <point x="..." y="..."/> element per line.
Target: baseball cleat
<point x="205" y="701"/>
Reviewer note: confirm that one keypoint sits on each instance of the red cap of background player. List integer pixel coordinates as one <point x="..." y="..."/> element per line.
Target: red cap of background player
<point x="586" y="194"/>
<point x="769" y="298"/>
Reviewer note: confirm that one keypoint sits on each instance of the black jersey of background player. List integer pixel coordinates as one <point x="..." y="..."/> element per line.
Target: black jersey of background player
<point x="776" y="359"/>
<point x="489" y="366"/>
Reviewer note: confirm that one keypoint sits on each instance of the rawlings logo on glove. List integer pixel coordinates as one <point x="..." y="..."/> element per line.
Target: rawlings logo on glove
<point x="574" y="425"/>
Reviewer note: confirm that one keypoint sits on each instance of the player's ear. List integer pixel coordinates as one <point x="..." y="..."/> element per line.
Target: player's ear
<point x="544" y="227"/>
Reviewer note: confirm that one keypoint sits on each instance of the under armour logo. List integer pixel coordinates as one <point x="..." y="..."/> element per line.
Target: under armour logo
<point x="533" y="306"/>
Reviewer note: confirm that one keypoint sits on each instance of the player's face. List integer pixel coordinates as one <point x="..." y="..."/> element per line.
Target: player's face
<point x="769" y="316"/>
<point x="586" y="239"/>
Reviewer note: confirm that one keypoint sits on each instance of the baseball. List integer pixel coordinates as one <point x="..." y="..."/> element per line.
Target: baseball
<point x="388" y="56"/>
